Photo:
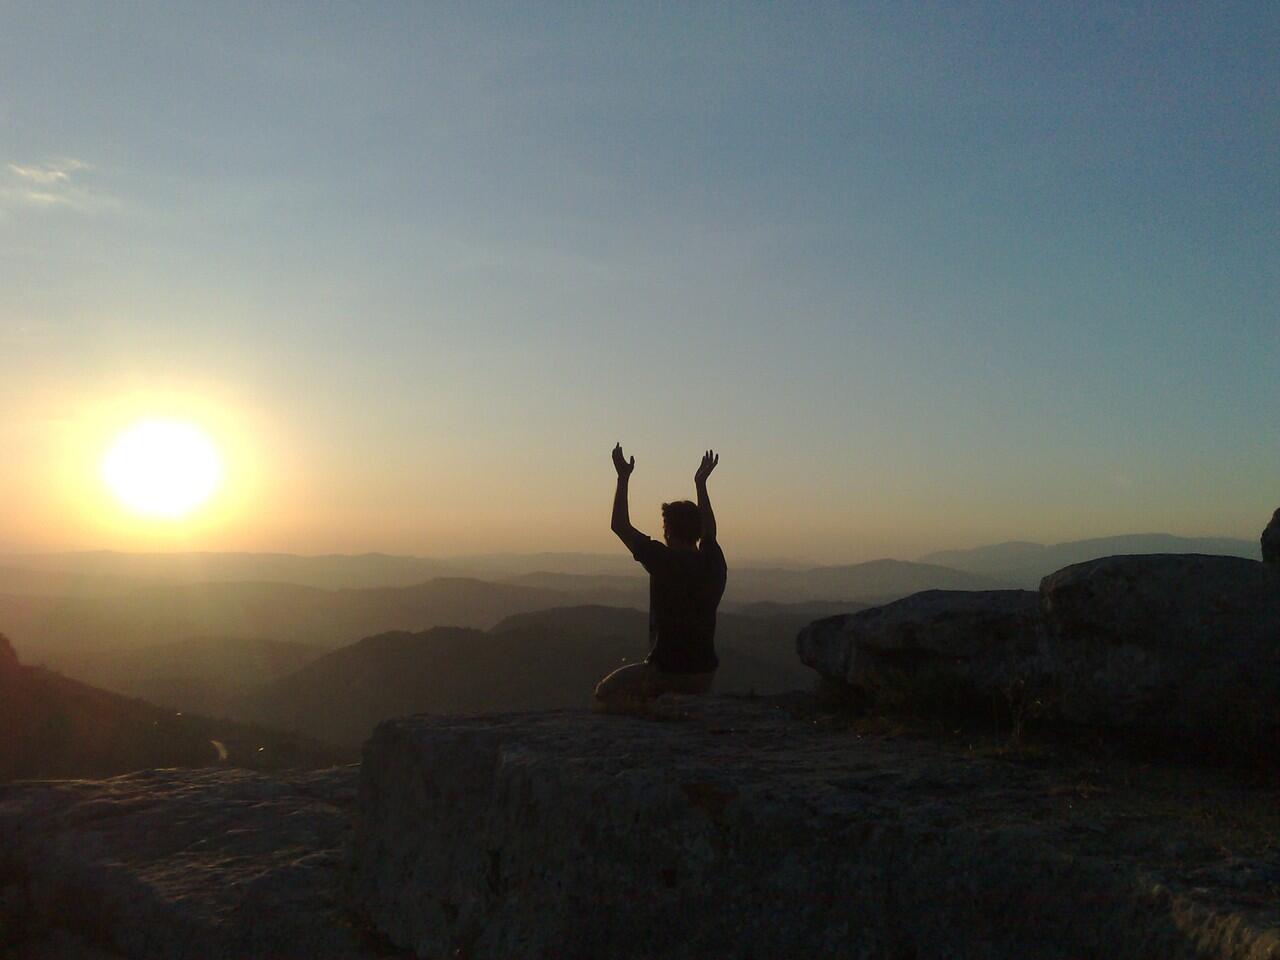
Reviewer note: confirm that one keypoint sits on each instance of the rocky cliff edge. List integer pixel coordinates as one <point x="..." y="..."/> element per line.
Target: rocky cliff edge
<point x="736" y="829"/>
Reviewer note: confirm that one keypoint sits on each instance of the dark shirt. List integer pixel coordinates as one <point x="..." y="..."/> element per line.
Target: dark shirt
<point x="685" y="587"/>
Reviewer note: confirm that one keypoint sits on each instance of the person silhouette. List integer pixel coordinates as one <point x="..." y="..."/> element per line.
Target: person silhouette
<point x="687" y="577"/>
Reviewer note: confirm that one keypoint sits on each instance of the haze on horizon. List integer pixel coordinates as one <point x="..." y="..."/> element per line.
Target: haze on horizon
<point x="927" y="278"/>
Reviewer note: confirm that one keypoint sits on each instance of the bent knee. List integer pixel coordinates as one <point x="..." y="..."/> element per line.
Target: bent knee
<point x="629" y="682"/>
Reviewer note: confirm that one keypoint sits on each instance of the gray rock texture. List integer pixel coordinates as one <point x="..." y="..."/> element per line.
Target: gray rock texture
<point x="1176" y="645"/>
<point x="1271" y="540"/>
<point x="984" y="639"/>
<point x="178" y="864"/>
<point x="1173" y="642"/>
<point x="737" y="831"/>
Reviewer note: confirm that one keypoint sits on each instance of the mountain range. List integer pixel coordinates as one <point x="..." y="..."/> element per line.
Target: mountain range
<point x="62" y="630"/>
<point x="540" y="659"/>
<point x="206" y="675"/>
<point x="106" y="573"/>
<point x="1022" y="563"/>
<point x="327" y="572"/>
<point x="533" y="661"/>
<point x="100" y="573"/>
<point x="58" y="727"/>
<point x="329" y="663"/>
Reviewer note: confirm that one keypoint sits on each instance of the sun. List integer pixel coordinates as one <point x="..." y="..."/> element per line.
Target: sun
<point x="162" y="469"/>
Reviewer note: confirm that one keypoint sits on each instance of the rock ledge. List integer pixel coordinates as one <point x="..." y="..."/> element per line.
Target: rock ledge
<point x="738" y="831"/>
<point x="179" y="864"/>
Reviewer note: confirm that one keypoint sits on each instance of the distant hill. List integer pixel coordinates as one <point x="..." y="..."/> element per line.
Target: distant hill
<point x="605" y="589"/>
<point x="806" y="610"/>
<point x="59" y="629"/>
<point x="327" y="572"/>
<point x="874" y="581"/>
<point x="59" y="583"/>
<point x="56" y="727"/>
<point x="1024" y="564"/>
<point x="499" y="566"/>
<point x="859" y="583"/>
<point x="200" y="675"/>
<point x="610" y="578"/>
<point x="331" y="572"/>
<point x="743" y="642"/>
<point x="548" y="659"/>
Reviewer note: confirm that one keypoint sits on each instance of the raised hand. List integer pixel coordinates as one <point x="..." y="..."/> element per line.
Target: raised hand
<point x="621" y="464"/>
<point x="709" y="461"/>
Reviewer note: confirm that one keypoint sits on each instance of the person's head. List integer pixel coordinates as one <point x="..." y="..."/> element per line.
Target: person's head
<point x="681" y="522"/>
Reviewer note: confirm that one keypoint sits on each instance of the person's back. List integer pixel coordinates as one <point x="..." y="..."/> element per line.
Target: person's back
<point x="685" y="587"/>
<point x="687" y="576"/>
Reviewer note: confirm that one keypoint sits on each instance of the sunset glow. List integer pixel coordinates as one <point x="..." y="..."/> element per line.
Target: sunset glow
<point x="162" y="469"/>
<point x="929" y="278"/>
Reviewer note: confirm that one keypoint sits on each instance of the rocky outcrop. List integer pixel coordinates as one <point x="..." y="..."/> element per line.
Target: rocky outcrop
<point x="982" y="639"/>
<point x="179" y="864"/>
<point x="1182" y="643"/>
<point x="736" y="831"/>
<point x="8" y="658"/>
<point x="1271" y="540"/>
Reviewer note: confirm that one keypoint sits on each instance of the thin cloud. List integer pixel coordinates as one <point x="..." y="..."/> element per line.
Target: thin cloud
<point x="51" y="173"/>
<point x="55" y="184"/>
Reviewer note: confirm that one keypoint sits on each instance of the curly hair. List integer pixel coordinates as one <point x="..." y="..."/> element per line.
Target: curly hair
<point x="682" y="519"/>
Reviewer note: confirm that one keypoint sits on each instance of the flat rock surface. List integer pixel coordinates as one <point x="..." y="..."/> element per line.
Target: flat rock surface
<point x="179" y="864"/>
<point x="735" y="829"/>
<point x="748" y="828"/>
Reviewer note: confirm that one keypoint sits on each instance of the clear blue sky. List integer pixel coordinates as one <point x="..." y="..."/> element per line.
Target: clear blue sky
<point x="928" y="275"/>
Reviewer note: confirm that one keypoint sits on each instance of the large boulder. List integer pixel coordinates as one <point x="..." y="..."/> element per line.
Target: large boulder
<point x="1180" y="643"/>
<point x="982" y="641"/>
<point x="739" y="832"/>
<point x="1271" y="540"/>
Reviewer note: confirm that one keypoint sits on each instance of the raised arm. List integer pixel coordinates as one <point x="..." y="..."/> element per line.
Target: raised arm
<point x="621" y="524"/>
<point x="709" y="461"/>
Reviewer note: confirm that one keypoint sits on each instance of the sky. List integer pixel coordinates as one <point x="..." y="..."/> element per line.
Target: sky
<point x="926" y="275"/>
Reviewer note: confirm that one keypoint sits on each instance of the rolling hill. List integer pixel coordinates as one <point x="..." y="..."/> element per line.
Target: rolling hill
<point x="326" y="572"/>
<point x="205" y="675"/>
<point x="875" y="581"/>
<point x="26" y="581"/>
<point x="55" y="727"/>
<point x="59" y="630"/>
<point x="608" y="577"/>
<point x="63" y="630"/>
<point x="548" y="659"/>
